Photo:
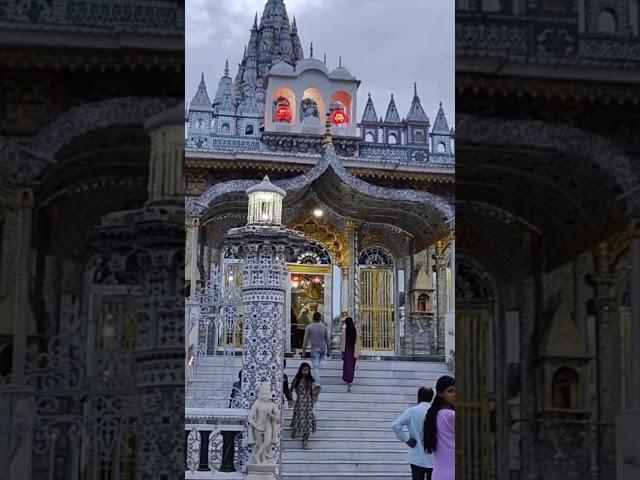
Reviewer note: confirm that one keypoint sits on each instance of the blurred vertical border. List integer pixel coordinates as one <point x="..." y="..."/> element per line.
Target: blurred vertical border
<point x="548" y="239"/>
<point x="91" y="239"/>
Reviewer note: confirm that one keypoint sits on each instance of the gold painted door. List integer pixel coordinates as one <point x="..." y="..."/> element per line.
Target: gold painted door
<point x="376" y="309"/>
<point x="474" y="457"/>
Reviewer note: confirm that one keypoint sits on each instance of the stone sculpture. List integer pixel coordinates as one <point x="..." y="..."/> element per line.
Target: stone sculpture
<point x="263" y="417"/>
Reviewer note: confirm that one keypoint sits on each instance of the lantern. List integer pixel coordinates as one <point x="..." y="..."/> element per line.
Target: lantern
<point x="265" y="203"/>
<point x="340" y="117"/>
<point x="283" y="112"/>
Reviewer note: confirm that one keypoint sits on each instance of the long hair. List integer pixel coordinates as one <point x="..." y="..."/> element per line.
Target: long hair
<point x="298" y="378"/>
<point x="351" y="332"/>
<point x="430" y="440"/>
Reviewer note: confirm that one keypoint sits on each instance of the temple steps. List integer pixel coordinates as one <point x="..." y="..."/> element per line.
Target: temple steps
<point x="354" y="439"/>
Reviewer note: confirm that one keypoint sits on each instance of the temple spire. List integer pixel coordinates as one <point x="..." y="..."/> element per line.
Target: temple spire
<point x="226" y="68"/>
<point x="440" y="125"/>
<point x="311" y="50"/>
<point x="369" y="114"/>
<point x="201" y="99"/>
<point x="392" y="115"/>
<point x="416" y="112"/>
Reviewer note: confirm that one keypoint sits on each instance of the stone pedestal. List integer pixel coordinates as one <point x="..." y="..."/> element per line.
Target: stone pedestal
<point x="627" y="446"/>
<point x="261" y="472"/>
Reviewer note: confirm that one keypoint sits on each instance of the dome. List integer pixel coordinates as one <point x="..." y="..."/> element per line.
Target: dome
<point x="311" y="64"/>
<point x="341" y="73"/>
<point x="281" y="68"/>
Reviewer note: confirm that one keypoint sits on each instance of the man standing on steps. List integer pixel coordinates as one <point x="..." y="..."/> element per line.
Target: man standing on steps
<point x="317" y="336"/>
<point x="413" y="418"/>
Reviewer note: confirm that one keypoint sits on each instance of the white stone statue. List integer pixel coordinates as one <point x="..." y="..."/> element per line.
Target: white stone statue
<point x="263" y="418"/>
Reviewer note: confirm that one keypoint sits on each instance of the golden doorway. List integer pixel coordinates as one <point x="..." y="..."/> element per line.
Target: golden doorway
<point x="376" y="309"/>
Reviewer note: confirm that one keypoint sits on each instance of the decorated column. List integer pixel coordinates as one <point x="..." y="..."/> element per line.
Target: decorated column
<point x="264" y="245"/>
<point x="441" y="285"/>
<point x="354" y="285"/>
<point x="152" y="237"/>
<point x="607" y="351"/>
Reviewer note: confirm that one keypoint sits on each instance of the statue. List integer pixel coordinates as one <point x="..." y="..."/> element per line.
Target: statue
<point x="309" y="108"/>
<point x="263" y="417"/>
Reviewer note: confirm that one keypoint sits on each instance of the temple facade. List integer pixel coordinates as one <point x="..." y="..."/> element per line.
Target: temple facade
<point x="298" y="198"/>
<point x="368" y="258"/>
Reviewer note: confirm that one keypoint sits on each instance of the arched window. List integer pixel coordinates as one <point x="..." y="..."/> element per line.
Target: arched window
<point x="226" y="129"/>
<point x="441" y="147"/>
<point x="424" y="304"/>
<point x="393" y="139"/>
<point x="564" y="388"/>
<point x="418" y="136"/>
<point x="248" y="130"/>
<point x="375" y="256"/>
<point x="607" y="21"/>
<point x="369" y="137"/>
<point x="315" y="254"/>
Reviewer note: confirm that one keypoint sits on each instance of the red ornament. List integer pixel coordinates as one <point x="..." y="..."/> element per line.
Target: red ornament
<point x="339" y="117"/>
<point x="283" y="113"/>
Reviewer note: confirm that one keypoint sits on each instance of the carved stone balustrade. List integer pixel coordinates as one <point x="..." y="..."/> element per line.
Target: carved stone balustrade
<point x="211" y="442"/>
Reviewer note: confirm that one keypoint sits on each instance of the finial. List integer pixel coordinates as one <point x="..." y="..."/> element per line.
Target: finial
<point x="255" y="21"/>
<point x="325" y="58"/>
<point x="294" y="25"/>
<point x="311" y="50"/>
<point x="202" y="77"/>
<point x="226" y="68"/>
<point x="392" y="96"/>
<point x="369" y="94"/>
<point x="340" y="61"/>
<point x="415" y="89"/>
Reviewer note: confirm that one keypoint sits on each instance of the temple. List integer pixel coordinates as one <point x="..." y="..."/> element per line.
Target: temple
<point x="372" y="197"/>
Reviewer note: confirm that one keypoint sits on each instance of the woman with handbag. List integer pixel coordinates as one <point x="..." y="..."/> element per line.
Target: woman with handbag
<point x="350" y="347"/>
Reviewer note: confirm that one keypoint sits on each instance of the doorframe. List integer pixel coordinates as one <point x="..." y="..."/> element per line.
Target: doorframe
<point x="394" y="311"/>
<point x="327" y="272"/>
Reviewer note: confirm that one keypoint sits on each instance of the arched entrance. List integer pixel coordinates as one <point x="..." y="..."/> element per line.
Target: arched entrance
<point x="311" y="291"/>
<point x="377" y="301"/>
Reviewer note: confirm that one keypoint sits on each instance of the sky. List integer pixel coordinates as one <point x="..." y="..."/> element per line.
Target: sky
<point x="387" y="44"/>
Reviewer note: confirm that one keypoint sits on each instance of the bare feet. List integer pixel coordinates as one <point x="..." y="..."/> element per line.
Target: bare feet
<point x="305" y="445"/>
<point x="349" y="387"/>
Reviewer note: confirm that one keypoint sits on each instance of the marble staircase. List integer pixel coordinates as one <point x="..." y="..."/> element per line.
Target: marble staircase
<point x="354" y="437"/>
